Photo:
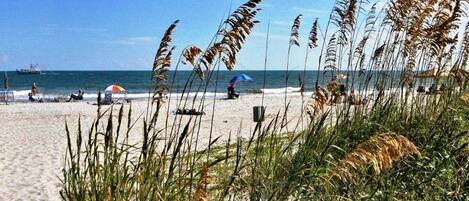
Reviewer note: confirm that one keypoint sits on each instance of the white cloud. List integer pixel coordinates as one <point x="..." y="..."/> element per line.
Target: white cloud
<point x="50" y="29"/>
<point x="308" y="11"/>
<point x="142" y="39"/>
<point x="271" y="36"/>
<point x="85" y="29"/>
<point x="132" y="41"/>
<point x="282" y="23"/>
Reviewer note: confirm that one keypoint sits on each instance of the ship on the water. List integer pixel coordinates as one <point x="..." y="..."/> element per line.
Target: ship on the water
<point x="33" y="69"/>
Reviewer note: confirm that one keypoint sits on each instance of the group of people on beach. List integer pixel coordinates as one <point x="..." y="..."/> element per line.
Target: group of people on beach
<point x="339" y="94"/>
<point x="33" y="95"/>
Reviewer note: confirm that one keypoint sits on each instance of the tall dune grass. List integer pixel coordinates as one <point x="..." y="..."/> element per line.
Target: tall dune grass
<point x="399" y="145"/>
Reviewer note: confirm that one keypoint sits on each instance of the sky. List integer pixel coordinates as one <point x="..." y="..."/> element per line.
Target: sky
<point x="123" y="35"/>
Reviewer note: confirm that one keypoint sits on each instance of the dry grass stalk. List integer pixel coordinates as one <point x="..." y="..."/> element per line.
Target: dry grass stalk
<point x="201" y="193"/>
<point x="413" y="42"/>
<point x="332" y="86"/>
<point x="190" y="55"/>
<point x="162" y="63"/>
<point x="207" y="59"/>
<point x="381" y="151"/>
<point x="318" y="101"/>
<point x="429" y="26"/>
<point x="238" y="26"/>
<point x="369" y="29"/>
<point x="460" y="76"/>
<point x="399" y="12"/>
<point x="313" y="35"/>
<point x="464" y="55"/>
<point x="294" y="35"/>
<point x="331" y="54"/>
<point x="445" y="22"/>
<point x="344" y="18"/>
<point x="241" y="24"/>
<point x="379" y="52"/>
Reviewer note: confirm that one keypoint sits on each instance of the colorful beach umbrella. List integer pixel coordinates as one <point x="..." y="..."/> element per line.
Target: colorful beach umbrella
<point x="114" y="89"/>
<point x="240" y="77"/>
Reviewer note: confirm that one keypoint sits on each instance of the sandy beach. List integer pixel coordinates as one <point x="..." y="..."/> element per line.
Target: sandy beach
<point x="33" y="139"/>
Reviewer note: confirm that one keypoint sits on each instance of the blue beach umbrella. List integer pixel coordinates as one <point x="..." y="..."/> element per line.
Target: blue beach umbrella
<point x="240" y="77"/>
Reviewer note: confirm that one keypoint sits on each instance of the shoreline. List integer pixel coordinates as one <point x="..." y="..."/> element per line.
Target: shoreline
<point x="21" y="96"/>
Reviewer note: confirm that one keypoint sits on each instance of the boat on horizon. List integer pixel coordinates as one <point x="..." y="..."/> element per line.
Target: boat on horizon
<point x="33" y="70"/>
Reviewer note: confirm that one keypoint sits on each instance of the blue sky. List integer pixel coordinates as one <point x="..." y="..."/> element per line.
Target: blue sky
<point x="123" y="35"/>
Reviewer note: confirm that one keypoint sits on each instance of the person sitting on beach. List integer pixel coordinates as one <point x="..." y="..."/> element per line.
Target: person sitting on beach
<point x="232" y="94"/>
<point x="34" y="90"/>
<point x="30" y="97"/>
<point x="79" y="96"/>
<point x="34" y="99"/>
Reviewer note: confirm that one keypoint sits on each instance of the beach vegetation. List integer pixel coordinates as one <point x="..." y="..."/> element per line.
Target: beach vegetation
<point x="367" y="134"/>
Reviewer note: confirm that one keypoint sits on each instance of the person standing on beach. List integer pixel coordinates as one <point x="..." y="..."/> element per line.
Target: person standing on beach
<point x="34" y="90"/>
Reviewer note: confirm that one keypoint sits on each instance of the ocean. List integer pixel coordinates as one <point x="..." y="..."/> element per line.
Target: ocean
<point x="137" y="83"/>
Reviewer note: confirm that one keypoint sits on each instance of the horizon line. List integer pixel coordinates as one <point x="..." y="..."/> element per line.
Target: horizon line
<point x="117" y="70"/>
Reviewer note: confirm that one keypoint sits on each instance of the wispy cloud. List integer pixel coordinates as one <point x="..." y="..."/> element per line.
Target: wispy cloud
<point x="271" y="36"/>
<point x="281" y="23"/>
<point x="132" y="40"/>
<point x="50" y="29"/>
<point x="85" y="29"/>
<point x="144" y="39"/>
<point x="138" y="63"/>
<point x="308" y="11"/>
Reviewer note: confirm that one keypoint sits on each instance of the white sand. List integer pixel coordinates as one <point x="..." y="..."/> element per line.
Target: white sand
<point x="32" y="137"/>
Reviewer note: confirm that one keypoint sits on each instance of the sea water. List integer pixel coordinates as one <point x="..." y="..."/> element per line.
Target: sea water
<point x="138" y="84"/>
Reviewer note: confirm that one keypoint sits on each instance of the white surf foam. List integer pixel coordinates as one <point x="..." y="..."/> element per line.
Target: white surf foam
<point x="23" y="94"/>
<point x="281" y="90"/>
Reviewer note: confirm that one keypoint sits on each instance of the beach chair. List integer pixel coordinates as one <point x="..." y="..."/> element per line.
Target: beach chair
<point x="121" y="100"/>
<point x="7" y="96"/>
<point x="189" y="112"/>
<point x="107" y="99"/>
<point x="233" y="95"/>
